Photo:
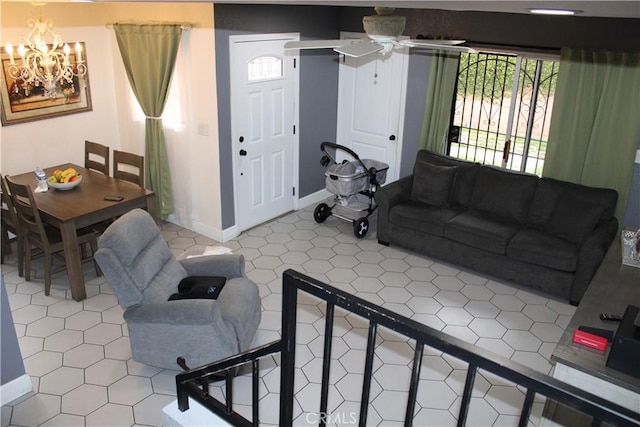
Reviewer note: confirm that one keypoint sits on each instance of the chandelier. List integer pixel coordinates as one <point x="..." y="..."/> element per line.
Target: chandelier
<point x="45" y="63"/>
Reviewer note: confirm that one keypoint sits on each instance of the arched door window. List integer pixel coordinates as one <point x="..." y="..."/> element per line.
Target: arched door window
<point x="265" y="68"/>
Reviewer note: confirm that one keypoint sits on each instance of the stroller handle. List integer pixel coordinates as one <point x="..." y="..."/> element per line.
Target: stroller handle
<point x="370" y="173"/>
<point x="338" y="147"/>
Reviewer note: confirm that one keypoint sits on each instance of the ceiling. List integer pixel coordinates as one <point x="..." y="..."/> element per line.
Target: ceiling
<point x="592" y="8"/>
<point x="611" y="9"/>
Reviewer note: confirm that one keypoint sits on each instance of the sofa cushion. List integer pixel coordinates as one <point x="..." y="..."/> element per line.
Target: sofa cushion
<point x="432" y="183"/>
<point x="570" y="211"/>
<point x="423" y="217"/>
<point x="465" y="175"/>
<point x="503" y="193"/>
<point x="481" y="230"/>
<point x="541" y="248"/>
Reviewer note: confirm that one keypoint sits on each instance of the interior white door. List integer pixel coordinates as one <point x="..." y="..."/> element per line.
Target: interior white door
<point x="371" y="99"/>
<point x="264" y="84"/>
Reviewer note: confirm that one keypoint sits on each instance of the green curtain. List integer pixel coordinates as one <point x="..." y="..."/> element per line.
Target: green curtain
<point x="442" y="82"/>
<point x="149" y="54"/>
<point x="595" y="127"/>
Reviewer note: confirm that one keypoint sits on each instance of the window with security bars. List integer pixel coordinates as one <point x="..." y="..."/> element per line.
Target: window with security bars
<point x="502" y="110"/>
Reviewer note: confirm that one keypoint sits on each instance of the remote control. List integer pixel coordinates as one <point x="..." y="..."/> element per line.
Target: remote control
<point x="611" y="317"/>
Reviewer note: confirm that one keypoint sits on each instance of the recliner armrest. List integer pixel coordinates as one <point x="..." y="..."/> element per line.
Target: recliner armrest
<point x="229" y="266"/>
<point x="180" y="312"/>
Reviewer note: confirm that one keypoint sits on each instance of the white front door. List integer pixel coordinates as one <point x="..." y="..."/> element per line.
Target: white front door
<point x="371" y="99"/>
<point x="264" y="86"/>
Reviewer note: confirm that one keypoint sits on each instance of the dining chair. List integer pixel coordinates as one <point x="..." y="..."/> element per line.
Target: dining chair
<point x="10" y="225"/>
<point x="128" y="166"/>
<point x="96" y="157"/>
<point x="47" y="239"/>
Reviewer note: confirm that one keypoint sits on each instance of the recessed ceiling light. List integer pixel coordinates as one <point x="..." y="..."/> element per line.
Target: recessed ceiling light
<point x="554" y="11"/>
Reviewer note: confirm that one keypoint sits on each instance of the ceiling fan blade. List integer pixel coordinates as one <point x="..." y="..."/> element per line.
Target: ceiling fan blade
<point x="452" y="45"/>
<point x="314" y="44"/>
<point x="356" y="50"/>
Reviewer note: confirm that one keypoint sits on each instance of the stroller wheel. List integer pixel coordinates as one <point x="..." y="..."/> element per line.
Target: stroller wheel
<point x="321" y="213"/>
<point x="360" y="227"/>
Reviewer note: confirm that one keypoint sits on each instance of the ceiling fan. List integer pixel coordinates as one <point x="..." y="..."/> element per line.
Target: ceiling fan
<point x="384" y="30"/>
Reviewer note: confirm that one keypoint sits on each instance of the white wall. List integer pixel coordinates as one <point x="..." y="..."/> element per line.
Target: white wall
<point x="59" y="140"/>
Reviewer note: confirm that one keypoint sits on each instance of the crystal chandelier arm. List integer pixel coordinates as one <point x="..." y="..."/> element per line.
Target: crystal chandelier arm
<point x="45" y="64"/>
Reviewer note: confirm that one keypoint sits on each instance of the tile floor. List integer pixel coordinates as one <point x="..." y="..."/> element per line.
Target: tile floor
<point x="78" y="356"/>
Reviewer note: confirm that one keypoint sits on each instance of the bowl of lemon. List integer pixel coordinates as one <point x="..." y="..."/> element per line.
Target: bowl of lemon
<point x="64" y="179"/>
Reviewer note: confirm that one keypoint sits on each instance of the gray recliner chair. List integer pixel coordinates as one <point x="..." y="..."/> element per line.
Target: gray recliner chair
<point x="143" y="274"/>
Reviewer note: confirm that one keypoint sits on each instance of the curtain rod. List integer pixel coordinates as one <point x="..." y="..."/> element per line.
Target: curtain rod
<point x="186" y="26"/>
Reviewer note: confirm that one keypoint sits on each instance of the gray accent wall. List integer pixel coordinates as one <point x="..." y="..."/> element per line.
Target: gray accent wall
<point x="318" y="86"/>
<point x="12" y="365"/>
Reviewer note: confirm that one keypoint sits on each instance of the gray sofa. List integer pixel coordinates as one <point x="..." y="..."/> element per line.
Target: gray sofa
<point x="543" y="233"/>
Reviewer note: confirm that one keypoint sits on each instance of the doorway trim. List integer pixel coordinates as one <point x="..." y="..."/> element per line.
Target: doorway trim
<point x="236" y="229"/>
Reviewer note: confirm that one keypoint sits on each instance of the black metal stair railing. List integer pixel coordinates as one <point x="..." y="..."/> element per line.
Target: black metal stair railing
<point x="194" y="383"/>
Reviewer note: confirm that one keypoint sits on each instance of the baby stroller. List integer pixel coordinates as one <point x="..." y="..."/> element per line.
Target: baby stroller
<point x="354" y="184"/>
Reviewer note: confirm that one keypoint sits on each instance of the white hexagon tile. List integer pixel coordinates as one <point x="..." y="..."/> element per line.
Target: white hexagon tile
<point x="78" y="355"/>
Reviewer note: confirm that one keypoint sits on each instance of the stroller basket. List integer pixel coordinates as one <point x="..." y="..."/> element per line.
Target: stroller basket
<point x="350" y="178"/>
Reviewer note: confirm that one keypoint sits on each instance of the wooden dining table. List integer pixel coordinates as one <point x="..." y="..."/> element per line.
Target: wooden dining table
<point x="84" y="206"/>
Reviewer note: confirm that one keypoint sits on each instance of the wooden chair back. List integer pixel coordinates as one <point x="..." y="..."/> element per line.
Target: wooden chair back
<point x="9" y="220"/>
<point x="96" y="157"/>
<point x="9" y="216"/>
<point x="128" y="166"/>
<point x="27" y="212"/>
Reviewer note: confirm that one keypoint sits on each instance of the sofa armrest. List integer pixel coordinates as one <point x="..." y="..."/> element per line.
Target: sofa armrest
<point x="228" y="266"/>
<point x="591" y="255"/>
<point x="387" y="197"/>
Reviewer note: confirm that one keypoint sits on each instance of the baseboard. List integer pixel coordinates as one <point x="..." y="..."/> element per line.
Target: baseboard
<point x="312" y="199"/>
<point x="207" y="230"/>
<point x="231" y="232"/>
<point x="15" y="389"/>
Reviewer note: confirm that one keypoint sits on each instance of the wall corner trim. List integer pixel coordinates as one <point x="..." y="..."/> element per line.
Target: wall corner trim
<point x="15" y="389"/>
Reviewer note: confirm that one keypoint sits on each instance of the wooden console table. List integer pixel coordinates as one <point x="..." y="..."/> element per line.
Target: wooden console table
<point x="613" y="288"/>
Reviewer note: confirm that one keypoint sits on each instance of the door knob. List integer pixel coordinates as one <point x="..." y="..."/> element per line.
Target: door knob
<point x="392" y="138"/>
<point x="243" y="152"/>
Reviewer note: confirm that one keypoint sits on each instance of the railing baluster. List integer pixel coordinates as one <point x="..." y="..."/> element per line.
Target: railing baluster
<point x="228" y="382"/>
<point x="413" y="386"/>
<point x="255" y="386"/>
<point x="526" y="408"/>
<point x="326" y="361"/>
<point x="466" y="395"/>
<point x="368" y="370"/>
<point x="288" y="357"/>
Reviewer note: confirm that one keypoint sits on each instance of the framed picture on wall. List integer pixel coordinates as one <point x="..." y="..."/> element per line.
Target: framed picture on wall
<point x="25" y="102"/>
